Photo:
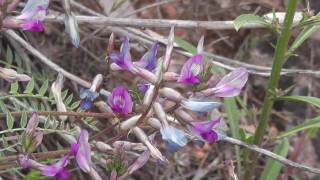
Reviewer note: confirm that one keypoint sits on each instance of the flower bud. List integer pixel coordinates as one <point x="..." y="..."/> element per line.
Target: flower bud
<point x="155" y="153"/>
<point x="171" y="94"/>
<point x="155" y="123"/>
<point x="56" y="91"/>
<point x="12" y="75"/>
<point x="184" y="115"/>
<point x="171" y="77"/>
<point x="167" y="57"/>
<point x="101" y="146"/>
<point x="96" y="82"/>
<point x="160" y="113"/>
<point x="148" y="96"/>
<point x="129" y="123"/>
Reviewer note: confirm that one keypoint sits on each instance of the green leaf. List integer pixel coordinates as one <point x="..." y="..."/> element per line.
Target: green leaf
<point x="24" y="119"/>
<point x="313" y="123"/>
<point x="304" y="35"/>
<point x="233" y="116"/>
<point x="185" y="45"/>
<point x="64" y="94"/>
<point x="3" y="107"/>
<point x="306" y="99"/>
<point x="14" y="88"/>
<point x="10" y="120"/>
<point x="74" y="105"/>
<point x="43" y="89"/>
<point x="68" y="100"/>
<point x="247" y="19"/>
<point x="30" y="87"/>
<point x="47" y="122"/>
<point x="273" y="168"/>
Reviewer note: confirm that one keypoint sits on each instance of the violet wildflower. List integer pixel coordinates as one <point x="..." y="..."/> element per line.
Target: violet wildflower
<point x="33" y="15"/>
<point x="200" y="105"/>
<point x="149" y="59"/>
<point x="174" y="138"/>
<point x="143" y="87"/>
<point x="57" y="170"/>
<point x="82" y="151"/>
<point x="190" y="73"/>
<point x="123" y="60"/>
<point x="230" y="85"/>
<point x="120" y="101"/>
<point x="205" y="130"/>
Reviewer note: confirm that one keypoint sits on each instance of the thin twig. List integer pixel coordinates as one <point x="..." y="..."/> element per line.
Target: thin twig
<point x="159" y="23"/>
<point x="272" y="155"/>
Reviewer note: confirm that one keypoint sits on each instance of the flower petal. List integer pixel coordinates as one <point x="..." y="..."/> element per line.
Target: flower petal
<point x="149" y="59"/>
<point x="190" y="73"/>
<point x="120" y="101"/>
<point x="54" y="169"/>
<point x="232" y="83"/>
<point x="83" y="155"/>
<point x="205" y="130"/>
<point x="174" y="138"/>
<point x="200" y="106"/>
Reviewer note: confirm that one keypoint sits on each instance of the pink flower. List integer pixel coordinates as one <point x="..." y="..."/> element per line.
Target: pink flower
<point x="82" y="151"/>
<point x="57" y="170"/>
<point x="230" y="85"/>
<point x="33" y="25"/>
<point x="120" y="101"/>
<point x="190" y="73"/>
<point x="205" y="131"/>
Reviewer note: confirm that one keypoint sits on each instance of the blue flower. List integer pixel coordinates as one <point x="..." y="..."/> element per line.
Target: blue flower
<point x="87" y="97"/>
<point x="175" y="139"/>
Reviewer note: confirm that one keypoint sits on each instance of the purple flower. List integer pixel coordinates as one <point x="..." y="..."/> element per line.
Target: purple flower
<point x="175" y="139"/>
<point x="123" y="59"/>
<point x="33" y="15"/>
<point x="190" y="73"/>
<point x="205" y="131"/>
<point x="149" y="59"/>
<point x="143" y="87"/>
<point x="230" y="85"/>
<point x="57" y="170"/>
<point x="33" y="25"/>
<point x="81" y="149"/>
<point x="120" y="101"/>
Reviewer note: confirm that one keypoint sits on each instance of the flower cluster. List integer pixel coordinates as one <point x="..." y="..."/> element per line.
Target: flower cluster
<point x="80" y="150"/>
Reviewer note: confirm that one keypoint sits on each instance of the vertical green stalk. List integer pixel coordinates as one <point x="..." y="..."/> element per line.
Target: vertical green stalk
<point x="279" y="56"/>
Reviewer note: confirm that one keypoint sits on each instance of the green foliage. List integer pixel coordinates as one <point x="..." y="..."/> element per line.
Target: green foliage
<point x="247" y="19"/>
<point x="10" y="120"/>
<point x="35" y="175"/>
<point x="306" y="99"/>
<point x="273" y="168"/>
<point x="309" y="124"/>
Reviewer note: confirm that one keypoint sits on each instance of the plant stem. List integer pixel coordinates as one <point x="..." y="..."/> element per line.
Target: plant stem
<point x="25" y="96"/>
<point x="279" y="56"/>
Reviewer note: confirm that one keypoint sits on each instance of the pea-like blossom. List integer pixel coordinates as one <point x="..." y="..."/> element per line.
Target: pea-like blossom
<point x="191" y="70"/>
<point x="56" y="88"/>
<point x="57" y="170"/>
<point x="120" y="101"/>
<point x="205" y="130"/>
<point x="123" y="59"/>
<point x="230" y="85"/>
<point x="175" y="139"/>
<point x="149" y="59"/>
<point x="33" y="15"/>
<point x="82" y="151"/>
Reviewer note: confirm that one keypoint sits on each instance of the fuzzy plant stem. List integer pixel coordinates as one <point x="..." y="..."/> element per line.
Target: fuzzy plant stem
<point x="279" y="56"/>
